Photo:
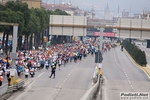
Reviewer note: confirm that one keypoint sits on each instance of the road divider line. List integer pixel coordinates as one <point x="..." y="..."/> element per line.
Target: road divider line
<point x="125" y="73"/>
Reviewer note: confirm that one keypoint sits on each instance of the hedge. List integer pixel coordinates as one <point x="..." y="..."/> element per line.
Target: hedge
<point x="137" y="54"/>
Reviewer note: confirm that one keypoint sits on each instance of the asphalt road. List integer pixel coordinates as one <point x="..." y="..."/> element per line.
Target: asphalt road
<point x="121" y="75"/>
<point x="71" y="82"/>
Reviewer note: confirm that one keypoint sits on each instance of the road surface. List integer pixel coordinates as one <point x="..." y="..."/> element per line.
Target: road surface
<point x="121" y="75"/>
<point x="70" y="83"/>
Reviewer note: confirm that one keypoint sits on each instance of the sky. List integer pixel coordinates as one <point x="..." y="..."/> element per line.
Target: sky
<point x="131" y="6"/>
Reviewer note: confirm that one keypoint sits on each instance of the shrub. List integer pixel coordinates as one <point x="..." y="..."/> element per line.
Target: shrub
<point x="137" y="54"/>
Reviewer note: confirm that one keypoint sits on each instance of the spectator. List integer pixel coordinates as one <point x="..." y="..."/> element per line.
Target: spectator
<point x="1" y="76"/>
<point x="8" y="75"/>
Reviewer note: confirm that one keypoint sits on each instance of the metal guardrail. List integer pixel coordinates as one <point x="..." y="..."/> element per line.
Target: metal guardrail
<point x="3" y="89"/>
<point x="20" y="84"/>
<point x="15" y="87"/>
<point x="92" y="92"/>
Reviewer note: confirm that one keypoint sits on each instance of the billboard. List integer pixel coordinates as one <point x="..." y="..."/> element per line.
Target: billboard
<point x="106" y="34"/>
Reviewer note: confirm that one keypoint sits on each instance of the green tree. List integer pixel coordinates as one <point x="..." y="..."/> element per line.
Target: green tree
<point x="22" y="8"/>
<point x="10" y="16"/>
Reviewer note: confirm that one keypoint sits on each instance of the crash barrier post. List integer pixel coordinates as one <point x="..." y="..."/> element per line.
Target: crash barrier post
<point x="95" y="76"/>
<point x="99" y="67"/>
<point x="3" y="89"/>
<point x="92" y="92"/>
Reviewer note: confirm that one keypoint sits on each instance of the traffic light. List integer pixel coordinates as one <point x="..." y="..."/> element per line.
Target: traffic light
<point x="44" y="38"/>
<point x="98" y="57"/>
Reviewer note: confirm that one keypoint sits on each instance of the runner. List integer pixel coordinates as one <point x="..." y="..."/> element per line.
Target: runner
<point x="53" y="69"/>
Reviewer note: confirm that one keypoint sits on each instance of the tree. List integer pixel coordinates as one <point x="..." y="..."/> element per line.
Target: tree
<point x="34" y="25"/>
<point x="24" y="13"/>
<point x="10" y="16"/>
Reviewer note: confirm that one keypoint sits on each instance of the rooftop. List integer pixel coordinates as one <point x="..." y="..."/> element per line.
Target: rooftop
<point x="59" y="6"/>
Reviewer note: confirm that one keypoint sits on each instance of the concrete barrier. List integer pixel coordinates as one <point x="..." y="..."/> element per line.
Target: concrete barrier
<point x="3" y="89"/>
<point x="92" y="92"/>
<point x="95" y="75"/>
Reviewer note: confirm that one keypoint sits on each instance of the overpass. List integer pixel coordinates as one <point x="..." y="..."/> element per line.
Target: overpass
<point x="77" y="25"/>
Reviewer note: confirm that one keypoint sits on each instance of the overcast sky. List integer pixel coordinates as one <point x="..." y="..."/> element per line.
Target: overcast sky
<point x="133" y="6"/>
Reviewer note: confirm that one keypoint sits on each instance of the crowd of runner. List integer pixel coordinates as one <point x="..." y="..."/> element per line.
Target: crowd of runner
<point x="58" y="56"/>
<point x="50" y="58"/>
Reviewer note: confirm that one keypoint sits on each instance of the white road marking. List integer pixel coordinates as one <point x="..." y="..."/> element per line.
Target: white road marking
<point x="53" y="98"/>
<point x="124" y="73"/>
<point x="35" y="80"/>
<point x="28" y="88"/>
<point x="127" y="78"/>
<point x="129" y="82"/>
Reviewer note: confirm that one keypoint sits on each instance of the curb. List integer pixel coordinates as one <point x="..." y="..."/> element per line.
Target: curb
<point x="5" y="96"/>
<point x="145" y="68"/>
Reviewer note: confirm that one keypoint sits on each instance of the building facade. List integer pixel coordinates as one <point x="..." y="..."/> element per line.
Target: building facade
<point x="32" y="3"/>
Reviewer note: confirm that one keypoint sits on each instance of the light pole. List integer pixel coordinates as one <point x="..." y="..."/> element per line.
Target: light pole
<point x="13" y="54"/>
